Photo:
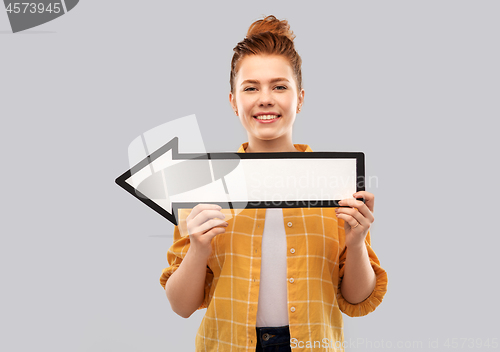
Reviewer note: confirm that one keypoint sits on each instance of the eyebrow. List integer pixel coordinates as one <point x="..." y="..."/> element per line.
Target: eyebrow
<point x="279" y="79"/>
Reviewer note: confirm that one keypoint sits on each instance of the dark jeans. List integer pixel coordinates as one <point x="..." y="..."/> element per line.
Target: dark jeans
<point x="273" y="339"/>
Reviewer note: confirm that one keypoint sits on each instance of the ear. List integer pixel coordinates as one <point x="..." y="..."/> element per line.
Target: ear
<point x="232" y="102"/>
<point x="300" y="100"/>
<point x="301" y="97"/>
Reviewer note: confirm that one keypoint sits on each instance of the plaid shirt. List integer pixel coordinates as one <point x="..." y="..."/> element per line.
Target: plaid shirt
<point x="315" y="257"/>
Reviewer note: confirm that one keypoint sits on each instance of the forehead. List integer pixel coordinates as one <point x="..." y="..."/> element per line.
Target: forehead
<point x="264" y="67"/>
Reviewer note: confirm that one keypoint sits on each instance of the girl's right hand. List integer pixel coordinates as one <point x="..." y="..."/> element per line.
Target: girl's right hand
<point x="203" y="223"/>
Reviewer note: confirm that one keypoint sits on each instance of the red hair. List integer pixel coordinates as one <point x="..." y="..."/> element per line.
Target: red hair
<point x="268" y="36"/>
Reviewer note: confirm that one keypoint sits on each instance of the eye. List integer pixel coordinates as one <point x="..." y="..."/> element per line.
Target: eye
<point x="281" y="87"/>
<point x="248" y="89"/>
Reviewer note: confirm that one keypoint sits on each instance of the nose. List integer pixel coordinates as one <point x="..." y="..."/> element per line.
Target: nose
<point x="266" y="98"/>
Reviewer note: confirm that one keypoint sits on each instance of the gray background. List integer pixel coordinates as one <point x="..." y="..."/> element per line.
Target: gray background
<point x="413" y="84"/>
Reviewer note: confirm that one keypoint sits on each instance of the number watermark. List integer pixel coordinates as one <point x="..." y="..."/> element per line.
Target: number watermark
<point x="33" y="7"/>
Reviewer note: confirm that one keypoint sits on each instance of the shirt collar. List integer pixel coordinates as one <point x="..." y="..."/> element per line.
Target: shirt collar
<point x="299" y="147"/>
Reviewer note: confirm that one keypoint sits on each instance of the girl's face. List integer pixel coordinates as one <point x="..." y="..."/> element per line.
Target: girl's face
<point x="266" y="99"/>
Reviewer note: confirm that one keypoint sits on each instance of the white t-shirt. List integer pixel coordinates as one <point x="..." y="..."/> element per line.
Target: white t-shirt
<point x="272" y="309"/>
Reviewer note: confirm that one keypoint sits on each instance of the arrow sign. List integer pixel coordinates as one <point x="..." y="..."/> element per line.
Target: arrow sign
<point x="167" y="181"/>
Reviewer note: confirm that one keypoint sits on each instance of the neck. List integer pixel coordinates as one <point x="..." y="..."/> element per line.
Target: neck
<point x="270" y="146"/>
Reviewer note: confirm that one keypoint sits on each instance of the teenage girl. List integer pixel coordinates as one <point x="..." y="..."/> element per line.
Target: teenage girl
<point x="273" y="279"/>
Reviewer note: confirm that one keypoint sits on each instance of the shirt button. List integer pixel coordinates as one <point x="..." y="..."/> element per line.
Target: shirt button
<point x="291" y="280"/>
<point x="292" y="309"/>
<point x="292" y="250"/>
<point x="289" y="224"/>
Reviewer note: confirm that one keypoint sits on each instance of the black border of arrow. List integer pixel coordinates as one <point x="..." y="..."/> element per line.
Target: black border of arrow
<point x="174" y="146"/>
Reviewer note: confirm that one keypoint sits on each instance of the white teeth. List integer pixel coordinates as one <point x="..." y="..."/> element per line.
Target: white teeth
<point x="266" y="117"/>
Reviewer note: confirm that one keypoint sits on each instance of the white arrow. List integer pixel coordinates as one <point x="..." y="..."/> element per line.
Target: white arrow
<point x="167" y="181"/>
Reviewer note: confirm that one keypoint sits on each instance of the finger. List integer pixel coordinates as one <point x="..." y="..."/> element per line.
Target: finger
<point x="200" y="207"/>
<point x="214" y="232"/>
<point x="362" y="207"/>
<point x="206" y="226"/>
<point x="349" y="220"/>
<point x="354" y="214"/>
<point x="368" y="197"/>
<point x="206" y="215"/>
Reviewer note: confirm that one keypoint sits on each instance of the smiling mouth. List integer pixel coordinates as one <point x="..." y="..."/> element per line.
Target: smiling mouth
<point x="267" y="117"/>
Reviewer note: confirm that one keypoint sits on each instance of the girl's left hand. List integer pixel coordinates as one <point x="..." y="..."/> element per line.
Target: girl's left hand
<point x="358" y="217"/>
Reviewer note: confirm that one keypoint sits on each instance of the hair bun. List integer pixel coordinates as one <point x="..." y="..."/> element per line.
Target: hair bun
<point x="273" y="25"/>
